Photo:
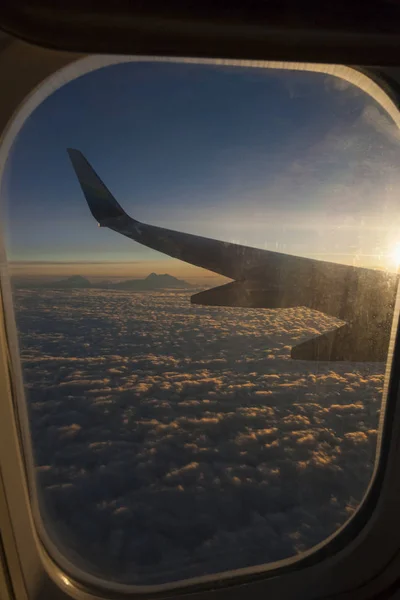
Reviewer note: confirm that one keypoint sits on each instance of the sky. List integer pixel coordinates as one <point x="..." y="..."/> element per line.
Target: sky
<point x="296" y="162"/>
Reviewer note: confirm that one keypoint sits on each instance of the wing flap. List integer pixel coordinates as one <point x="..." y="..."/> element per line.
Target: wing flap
<point x="352" y="342"/>
<point x="246" y="295"/>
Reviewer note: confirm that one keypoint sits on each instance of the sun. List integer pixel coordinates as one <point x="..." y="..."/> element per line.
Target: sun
<point x="394" y="256"/>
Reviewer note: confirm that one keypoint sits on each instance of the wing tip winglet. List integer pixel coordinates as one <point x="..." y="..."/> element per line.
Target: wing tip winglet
<point x="101" y="202"/>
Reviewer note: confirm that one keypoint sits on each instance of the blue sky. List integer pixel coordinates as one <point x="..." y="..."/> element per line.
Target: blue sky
<point x="291" y="161"/>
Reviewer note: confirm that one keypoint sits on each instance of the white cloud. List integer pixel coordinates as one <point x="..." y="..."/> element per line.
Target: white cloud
<point x="164" y="454"/>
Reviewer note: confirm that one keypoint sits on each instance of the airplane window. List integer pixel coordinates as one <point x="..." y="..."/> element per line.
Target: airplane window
<point x="204" y="265"/>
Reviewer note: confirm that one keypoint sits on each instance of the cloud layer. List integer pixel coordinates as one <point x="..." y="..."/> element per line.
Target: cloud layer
<point x="173" y="440"/>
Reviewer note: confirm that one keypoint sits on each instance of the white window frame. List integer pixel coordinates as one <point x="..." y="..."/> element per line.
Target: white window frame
<point x="358" y="561"/>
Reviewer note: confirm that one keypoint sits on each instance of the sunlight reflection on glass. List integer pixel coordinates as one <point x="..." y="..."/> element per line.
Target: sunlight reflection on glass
<point x="394" y="257"/>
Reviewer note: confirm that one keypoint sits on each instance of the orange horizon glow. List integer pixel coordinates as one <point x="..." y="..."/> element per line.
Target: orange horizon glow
<point x="114" y="270"/>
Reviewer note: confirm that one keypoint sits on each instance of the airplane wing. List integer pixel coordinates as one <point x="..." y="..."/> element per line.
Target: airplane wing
<point x="363" y="298"/>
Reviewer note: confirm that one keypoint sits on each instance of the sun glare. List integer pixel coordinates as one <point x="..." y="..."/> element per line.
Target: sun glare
<point x="394" y="256"/>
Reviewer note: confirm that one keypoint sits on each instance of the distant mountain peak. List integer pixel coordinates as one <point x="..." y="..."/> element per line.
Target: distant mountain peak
<point x="153" y="282"/>
<point x="74" y="281"/>
<point x="76" y="278"/>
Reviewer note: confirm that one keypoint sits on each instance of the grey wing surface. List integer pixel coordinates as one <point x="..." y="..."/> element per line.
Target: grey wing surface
<point x="362" y="298"/>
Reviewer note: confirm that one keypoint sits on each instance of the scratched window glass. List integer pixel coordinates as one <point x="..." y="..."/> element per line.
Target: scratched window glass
<point x="204" y="271"/>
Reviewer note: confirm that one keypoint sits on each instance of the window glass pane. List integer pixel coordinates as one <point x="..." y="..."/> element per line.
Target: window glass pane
<point x="176" y="438"/>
